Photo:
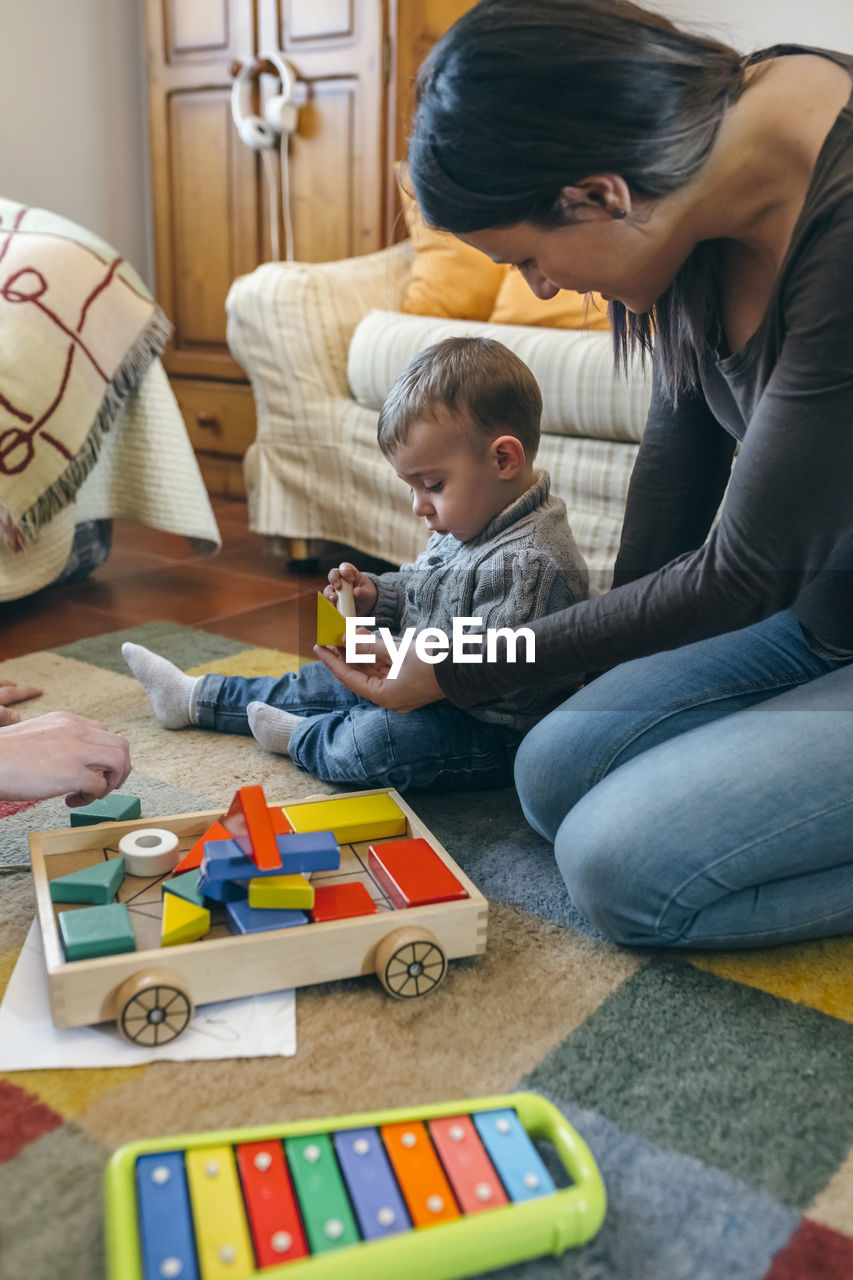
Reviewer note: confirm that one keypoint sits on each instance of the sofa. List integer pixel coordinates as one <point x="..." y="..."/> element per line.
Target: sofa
<point x="322" y="343"/>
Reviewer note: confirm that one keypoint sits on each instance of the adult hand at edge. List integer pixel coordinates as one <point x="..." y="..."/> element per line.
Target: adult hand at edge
<point x="414" y="686"/>
<point x="12" y="692"/>
<point x="61" y="753"/>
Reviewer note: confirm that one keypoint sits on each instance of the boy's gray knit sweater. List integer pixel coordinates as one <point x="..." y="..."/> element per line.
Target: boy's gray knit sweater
<point x="524" y="564"/>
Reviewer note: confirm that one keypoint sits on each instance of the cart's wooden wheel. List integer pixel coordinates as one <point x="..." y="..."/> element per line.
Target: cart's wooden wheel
<point x="152" y="1008"/>
<point x="410" y="963"/>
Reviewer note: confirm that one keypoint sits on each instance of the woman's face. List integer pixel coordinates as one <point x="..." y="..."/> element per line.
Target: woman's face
<point x="620" y="258"/>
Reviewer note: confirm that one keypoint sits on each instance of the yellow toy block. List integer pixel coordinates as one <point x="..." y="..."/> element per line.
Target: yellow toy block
<point x="331" y="624"/>
<point x="351" y="818"/>
<point x="183" y="921"/>
<point x="222" y="1233"/>
<point x="281" y="892"/>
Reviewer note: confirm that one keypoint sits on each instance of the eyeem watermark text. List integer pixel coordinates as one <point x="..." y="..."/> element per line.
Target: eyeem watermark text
<point x="433" y="645"/>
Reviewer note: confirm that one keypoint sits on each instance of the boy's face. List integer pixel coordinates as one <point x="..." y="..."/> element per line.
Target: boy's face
<point x="457" y="484"/>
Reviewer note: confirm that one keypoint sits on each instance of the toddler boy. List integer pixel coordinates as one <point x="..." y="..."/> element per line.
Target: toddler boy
<point x="460" y="427"/>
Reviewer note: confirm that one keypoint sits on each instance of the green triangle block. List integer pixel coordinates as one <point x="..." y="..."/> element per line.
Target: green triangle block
<point x="97" y="884"/>
<point x="186" y="886"/>
<point x="112" y="808"/>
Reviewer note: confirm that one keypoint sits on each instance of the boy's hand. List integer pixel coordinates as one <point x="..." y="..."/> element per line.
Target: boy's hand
<point x="363" y="589"/>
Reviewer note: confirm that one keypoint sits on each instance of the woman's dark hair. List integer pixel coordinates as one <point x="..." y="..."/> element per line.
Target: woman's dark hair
<point x="521" y="98"/>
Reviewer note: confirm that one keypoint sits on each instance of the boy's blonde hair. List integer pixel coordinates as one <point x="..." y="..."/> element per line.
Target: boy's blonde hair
<point x="479" y="380"/>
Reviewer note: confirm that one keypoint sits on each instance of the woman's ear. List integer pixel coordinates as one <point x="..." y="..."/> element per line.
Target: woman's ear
<point x="604" y="195"/>
<point x="509" y="456"/>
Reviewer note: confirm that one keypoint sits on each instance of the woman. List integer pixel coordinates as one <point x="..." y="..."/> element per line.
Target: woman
<point x="699" y="793"/>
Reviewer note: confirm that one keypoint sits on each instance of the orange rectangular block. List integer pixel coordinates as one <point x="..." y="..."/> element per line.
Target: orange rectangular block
<point x="418" y="1170"/>
<point x="191" y="860"/>
<point x="412" y="873"/>
<point x="472" y="1175"/>
<point x="251" y="803"/>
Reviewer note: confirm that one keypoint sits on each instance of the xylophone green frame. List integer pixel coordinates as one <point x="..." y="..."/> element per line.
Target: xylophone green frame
<point x="466" y="1246"/>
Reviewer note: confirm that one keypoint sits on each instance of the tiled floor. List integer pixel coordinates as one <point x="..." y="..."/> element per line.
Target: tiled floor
<point x="244" y="592"/>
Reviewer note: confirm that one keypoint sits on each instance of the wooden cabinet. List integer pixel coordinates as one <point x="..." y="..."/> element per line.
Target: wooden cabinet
<point x="415" y="25"/>
<point x="220" y="418"/>
<point x="357" y="59"/>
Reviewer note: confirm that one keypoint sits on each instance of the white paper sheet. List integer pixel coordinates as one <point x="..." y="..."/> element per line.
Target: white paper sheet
<point x="256" y="1027"/>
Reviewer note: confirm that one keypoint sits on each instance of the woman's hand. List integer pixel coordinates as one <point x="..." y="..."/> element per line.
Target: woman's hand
<point x="11" y="692"/>
<point x="60" y="753"/>
<point x="363" y="589"/>
<point x="414" y="686"/>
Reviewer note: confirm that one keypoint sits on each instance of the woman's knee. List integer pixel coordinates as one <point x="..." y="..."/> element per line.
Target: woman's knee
<point x="602" y="863"/>
<point x="556" y="765"/>
<point x="538" y="787"/>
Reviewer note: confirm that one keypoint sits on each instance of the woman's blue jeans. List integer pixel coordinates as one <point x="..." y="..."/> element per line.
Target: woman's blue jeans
<point x="344" y="738"/>
<point x="703" y="797"/>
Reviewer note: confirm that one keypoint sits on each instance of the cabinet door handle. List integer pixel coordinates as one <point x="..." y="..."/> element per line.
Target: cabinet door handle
<point x="209" y="422"/>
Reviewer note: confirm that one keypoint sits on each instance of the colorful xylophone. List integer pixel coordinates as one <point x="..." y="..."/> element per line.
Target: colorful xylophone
<point x="433" y="1193"/>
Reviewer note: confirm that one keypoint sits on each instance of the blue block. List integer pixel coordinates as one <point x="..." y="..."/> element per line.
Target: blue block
<point x="513" y="1154"/>
<point x="165" y="1219"/>
<point x="223" y="890"/>
<point x="225" y="860"/>
<point x="371" y="1185"/>
<point x="245" y="919"/>
<point x="311" y="851"/>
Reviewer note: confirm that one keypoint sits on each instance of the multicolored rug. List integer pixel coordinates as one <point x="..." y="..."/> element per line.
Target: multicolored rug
<point x="715" y="1091"/>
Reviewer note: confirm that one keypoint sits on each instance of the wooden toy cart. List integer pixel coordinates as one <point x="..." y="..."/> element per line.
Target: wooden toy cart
<point x="151" y="992"/>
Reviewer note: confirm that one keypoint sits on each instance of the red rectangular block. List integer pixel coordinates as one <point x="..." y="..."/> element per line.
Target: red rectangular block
<point x="341" y="901"/>
<point x="412" y="873"/>
<point x="276" y="1226"/>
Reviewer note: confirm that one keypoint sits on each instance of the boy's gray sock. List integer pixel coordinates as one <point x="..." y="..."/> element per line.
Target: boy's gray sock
<point x="172" y="693"/>
<point x="272" y="727"/>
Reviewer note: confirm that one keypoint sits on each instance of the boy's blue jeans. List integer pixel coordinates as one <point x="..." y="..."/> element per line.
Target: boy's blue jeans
<point x="344" y="738"/>
<point x="703" y="797"/>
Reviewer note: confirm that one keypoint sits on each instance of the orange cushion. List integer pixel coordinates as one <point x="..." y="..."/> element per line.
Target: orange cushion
<point x="448" y="278"/>
<point x="515" y="304"/>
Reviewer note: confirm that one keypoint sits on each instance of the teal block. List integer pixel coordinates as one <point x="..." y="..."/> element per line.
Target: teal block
<point x="186" y="886"/>
<point x="112" y="808"/>
<point x="97" y="884"/>
<point x="96" y="931"/>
